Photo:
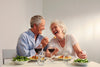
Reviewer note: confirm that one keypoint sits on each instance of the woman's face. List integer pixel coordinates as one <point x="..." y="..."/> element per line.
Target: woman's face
<point x="56" y="30"/>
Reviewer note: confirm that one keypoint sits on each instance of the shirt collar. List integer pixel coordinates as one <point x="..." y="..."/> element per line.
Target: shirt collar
<point x="31" y="33"/>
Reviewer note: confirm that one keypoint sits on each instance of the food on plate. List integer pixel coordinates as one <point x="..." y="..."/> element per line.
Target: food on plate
<point x="81" y="60"/>
<point x="64" y="57"/>
<point x="20" y="58"/>
<point x="34" y="57"/>
<point x="67" y="57"/>
<point x="42" y="58"/>
<point x="55" y="37"/>
<point x="60" y="57"/>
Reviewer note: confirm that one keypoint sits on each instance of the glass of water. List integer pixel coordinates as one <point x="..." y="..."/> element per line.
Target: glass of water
<point x="84" y="52"/>
<point x="41" y="58"/>
<point x="65" y="54"/>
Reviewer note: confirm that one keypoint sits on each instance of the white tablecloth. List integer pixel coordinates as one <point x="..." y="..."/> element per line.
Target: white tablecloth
<point x="50" y="64"/>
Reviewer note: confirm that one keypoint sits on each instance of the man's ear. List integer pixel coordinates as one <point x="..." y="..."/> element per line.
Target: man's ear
<point x="34" y="26"/>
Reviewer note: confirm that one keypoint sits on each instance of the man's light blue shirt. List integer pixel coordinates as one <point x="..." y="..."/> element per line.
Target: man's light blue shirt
<point x="26" y="44"/>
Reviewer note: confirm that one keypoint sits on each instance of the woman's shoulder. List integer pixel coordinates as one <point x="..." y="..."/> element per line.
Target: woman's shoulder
<point x="70" y="35"/>
<point x="73" y="38"/>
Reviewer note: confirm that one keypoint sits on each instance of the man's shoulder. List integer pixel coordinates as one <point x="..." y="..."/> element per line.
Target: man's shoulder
<point x="24" y="34"/>
<point x="41" y="36"/>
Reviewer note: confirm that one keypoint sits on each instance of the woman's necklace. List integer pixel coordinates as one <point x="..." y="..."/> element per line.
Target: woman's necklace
<point x="62" y="42"/>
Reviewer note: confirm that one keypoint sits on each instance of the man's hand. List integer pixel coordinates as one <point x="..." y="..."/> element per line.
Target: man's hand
<point x="44" y="41"/>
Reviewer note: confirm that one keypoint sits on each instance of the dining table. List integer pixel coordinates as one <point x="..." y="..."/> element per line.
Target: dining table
<point x="51" y="64"/>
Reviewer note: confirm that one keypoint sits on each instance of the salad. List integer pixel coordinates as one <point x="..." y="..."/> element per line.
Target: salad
<point x="81" y="60"/>
<point x="20" y="58"/>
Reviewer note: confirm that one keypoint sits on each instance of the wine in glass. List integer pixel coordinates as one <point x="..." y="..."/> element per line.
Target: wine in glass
<point x="38" y="50"/>
<point x="51" y="49"/>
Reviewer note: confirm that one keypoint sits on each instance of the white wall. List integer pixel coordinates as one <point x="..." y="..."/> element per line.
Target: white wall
<point x="14" y="19"/>
<point x="82" y="18"/>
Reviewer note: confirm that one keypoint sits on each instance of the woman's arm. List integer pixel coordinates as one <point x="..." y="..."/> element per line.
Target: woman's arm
<point x="77" y="48"/>
<point x="79" y="52"/>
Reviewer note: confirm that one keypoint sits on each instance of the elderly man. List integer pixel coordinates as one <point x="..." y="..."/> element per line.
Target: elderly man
<point x="32" y="38"/>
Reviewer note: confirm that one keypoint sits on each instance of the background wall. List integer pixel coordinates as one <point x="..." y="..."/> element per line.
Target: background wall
<point x="14" y="19"/>
<point x="82" y="18"/>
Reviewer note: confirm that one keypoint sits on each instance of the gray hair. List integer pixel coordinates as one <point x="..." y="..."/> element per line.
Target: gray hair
<point x="60" y="24"/>
<point x="35" y="20"/>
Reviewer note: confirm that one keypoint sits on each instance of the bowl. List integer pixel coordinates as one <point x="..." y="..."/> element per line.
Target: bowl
<point x="80" y="64"/>
<point x="20" y="62"/>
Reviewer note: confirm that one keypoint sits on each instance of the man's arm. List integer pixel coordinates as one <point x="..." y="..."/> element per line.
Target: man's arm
<point x="23" y="47"/>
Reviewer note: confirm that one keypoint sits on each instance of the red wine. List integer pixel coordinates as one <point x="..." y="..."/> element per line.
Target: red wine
<point x="51" y="50"/>
<point x="37" y="50"/>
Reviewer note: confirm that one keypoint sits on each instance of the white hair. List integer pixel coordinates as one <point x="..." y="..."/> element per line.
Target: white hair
<point x="60" y="24"/>
<point x="35" y="20"/>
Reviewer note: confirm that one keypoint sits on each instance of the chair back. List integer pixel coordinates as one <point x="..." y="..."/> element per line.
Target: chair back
<point x="8" y="54"/>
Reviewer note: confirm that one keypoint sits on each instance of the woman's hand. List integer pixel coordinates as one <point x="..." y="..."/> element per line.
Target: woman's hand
<point x="48" y="54"/>
<point x="81" y="55"/>
<point x="79" y="52"/>
<point x="55" y="51"/>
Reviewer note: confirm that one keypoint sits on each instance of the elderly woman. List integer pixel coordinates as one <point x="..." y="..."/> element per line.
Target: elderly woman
<point x="64" y="42"/>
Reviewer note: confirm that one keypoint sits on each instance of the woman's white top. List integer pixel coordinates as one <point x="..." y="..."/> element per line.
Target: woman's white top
<point x="70" y="40"/>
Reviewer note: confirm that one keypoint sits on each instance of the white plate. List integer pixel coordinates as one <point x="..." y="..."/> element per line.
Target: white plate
<point x="80" y="64"/>
<point x="57" y="57"/>
<point x="66" y="59"/>
<point x="19" y="62"/>
<point x="33" y="58"/>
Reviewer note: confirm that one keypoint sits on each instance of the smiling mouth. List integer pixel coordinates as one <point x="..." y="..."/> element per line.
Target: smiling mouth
<point x="56" y="32"/>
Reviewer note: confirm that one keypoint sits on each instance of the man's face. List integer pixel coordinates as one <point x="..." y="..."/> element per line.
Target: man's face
<point x="41" y="26"/>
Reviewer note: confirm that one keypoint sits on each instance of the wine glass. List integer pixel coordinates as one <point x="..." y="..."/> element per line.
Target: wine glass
<point x="84" y="52"/>
<point x="51" y="49"/>
<point x="38" y="49"/>
<point x="66" y="56"/>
